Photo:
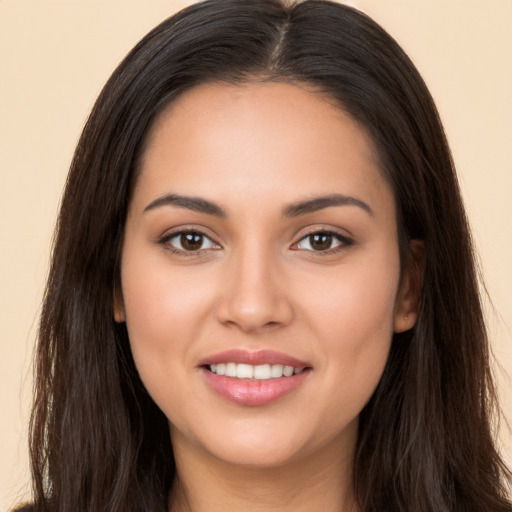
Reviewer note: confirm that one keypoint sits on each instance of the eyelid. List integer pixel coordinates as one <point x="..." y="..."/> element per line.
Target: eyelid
<point x="346" y="240"/>
<point x="177" y="231"/>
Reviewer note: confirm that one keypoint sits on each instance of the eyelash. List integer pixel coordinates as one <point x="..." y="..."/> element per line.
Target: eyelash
<point x="343" y="240"/>
<point x="164" y="241"/>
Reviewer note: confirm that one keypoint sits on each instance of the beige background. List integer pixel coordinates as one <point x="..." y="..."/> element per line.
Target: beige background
<point x="56" y="54"/>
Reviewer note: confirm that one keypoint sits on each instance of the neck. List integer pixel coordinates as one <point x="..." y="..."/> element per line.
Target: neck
<point x="322" y="481"/>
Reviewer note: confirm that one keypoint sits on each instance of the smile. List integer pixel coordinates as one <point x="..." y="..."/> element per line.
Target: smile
<point x="254" y="378"/>
<point x="256" y="372"/>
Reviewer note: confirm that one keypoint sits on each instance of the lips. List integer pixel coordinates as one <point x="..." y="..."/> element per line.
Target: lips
<point x="254" y="358"/>
<point x="254" y="378"/>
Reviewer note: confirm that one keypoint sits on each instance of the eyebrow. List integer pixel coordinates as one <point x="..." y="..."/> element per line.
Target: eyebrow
<point x="319" y="203"/>
<point x="196" y="204"/>
<point x="201" y="205"/>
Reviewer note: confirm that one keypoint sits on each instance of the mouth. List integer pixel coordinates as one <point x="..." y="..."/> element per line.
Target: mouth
<point x="254" y="378"/>
<point x="254" y="372"/>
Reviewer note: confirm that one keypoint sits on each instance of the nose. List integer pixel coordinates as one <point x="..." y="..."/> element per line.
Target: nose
<point x="253" y="296"/>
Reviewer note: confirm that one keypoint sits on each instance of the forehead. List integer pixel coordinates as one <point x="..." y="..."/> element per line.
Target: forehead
<point x="249" y="139"/>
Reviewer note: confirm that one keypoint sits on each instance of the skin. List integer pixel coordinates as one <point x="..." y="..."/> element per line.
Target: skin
<point x="256" y="282"/>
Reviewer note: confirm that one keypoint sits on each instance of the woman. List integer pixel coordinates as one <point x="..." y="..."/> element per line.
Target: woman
<point x="263" y="291"/>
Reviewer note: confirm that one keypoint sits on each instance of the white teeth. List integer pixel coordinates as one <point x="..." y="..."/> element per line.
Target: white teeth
<point x="244" y="371"/>
<point x="230" y="370"/>
<point x="288" y="371"/>
<point x="276" y="371"/>
<point x="262" y="372"/>
<point x="258" y="372"/>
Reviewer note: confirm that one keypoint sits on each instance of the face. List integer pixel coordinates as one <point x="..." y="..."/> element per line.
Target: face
<point x="260" y="273"/>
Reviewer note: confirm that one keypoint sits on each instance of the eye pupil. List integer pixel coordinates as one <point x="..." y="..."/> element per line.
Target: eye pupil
<point x="191" y="241"/>
<point x="320" y="241"/>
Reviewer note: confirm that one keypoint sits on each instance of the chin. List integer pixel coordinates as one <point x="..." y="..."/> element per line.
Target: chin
<point x="263" y="455"/>
<point x="268" y="444"/>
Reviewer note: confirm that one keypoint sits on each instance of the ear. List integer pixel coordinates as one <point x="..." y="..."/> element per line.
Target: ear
<point x="408" y="299"/>
<point x="118" y="305"/>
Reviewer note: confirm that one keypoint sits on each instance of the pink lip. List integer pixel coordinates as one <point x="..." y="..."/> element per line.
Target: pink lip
<point x="254" y="392"/>
<point x="240" y="356"/>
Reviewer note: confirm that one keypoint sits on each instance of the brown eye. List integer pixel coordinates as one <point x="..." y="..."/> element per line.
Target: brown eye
<point x="322" y="241"/>
<point x="189" y="241"/>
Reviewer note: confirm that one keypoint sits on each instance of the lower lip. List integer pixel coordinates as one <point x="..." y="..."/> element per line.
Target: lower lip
<point x="254" y="392"/>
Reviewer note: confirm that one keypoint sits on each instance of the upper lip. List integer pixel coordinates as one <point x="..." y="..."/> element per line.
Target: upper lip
<point x="241" y="356"/>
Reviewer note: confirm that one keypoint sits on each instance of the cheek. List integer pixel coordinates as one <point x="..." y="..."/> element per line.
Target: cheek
<point x="163" y="317"/>
<point x="358" y="298"/>
<point x="164" y="309"/>
<point x="353" y="319"/>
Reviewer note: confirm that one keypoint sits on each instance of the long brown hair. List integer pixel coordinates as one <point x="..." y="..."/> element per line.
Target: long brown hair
<point x="98" y="441"/>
